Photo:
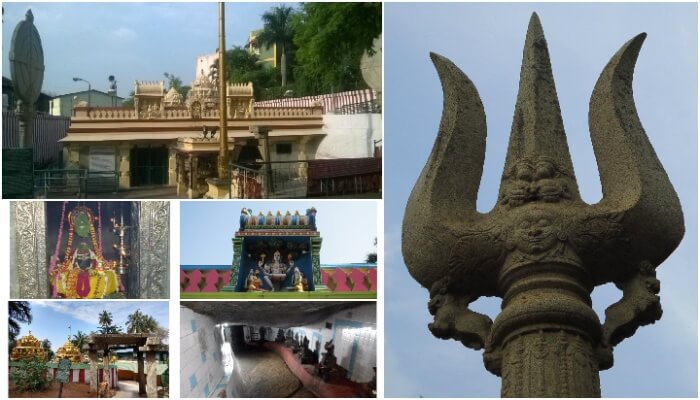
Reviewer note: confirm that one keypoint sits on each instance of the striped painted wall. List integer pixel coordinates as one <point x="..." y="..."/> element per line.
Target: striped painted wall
<point x="48" y="130"/>
<point x="330" y="102"/>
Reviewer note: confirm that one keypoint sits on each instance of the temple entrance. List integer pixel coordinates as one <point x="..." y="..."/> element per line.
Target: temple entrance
<point x="149" y="165"/>
<point x="248" y="156"/>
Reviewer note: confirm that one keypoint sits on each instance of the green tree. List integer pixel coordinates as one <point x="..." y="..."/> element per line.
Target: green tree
<point x="46" y="345"/>
<point x="332" y="37"/>
<point x="176" y="82"/>
<point x="372" y="257"/>
<point x="139" y="322"/>
<point x="278" y="30"/>
<point x="244" y="67"/>
<point x="106" y="324"/>
<point x="30" y="376"/>
<point x="129" y="101"/>
<point x="18" y="312"/>
<point x="79" y="340"/>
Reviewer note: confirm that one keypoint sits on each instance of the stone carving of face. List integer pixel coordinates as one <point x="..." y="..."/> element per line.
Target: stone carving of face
<point x="538" y="181"/>
<point x="535" y="234"/>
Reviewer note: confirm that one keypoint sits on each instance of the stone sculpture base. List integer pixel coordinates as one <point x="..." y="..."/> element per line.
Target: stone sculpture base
<point x="218" y="188"/>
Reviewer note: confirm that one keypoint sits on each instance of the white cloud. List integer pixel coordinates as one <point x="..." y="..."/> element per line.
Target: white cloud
<point x="89" y="311"/>
<point x="123" y="34"/>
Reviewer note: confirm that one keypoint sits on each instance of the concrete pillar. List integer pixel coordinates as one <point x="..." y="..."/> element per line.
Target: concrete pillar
<point x="92" y="354"/>
<point x="73" y="159"/>
<point x="262" y="134"/>
<point x="193" y="190"/>
<point x="124" y="165"/>
<point x="151" y="374"/>
<point x="141" y="377"/>
<point x="302" y="167"/>
<point x="172" y="166"/>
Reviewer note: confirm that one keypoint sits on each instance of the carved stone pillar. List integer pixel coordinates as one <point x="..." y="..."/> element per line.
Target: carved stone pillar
<point x="262" y="134"/>
<point x="92" y="354"/>
<point x="541" y="248"/>
<point x="193" y="190"/>
<point x="106" y="375"/>
<point x="140" y="374"/>
<point x="151" y="247"/>
<point x="29" y="275"/>
<point x="151" y="374"/>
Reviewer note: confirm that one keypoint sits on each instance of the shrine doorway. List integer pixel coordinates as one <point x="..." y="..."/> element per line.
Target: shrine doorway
<point x="149" y="165"/>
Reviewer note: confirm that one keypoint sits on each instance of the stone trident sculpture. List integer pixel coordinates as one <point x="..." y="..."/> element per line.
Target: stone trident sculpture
<point x="541" y="248"/>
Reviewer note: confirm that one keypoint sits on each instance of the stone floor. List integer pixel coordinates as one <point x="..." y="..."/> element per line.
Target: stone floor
<point x="262" y="373"/>
<point x="127" y="389"/>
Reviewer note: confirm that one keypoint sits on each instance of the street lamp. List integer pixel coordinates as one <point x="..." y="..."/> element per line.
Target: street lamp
<point x="89" y="87"/>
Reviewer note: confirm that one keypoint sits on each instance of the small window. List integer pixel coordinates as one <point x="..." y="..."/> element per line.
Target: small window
<point x="283" y="148"/>
<point x="329" y="325"/>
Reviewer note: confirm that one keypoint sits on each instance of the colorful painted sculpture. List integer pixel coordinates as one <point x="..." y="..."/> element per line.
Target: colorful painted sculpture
<point x="84" y="273"/>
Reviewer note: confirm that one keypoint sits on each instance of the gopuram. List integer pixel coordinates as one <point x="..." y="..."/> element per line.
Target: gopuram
<point x="541" y="248"/>
<point x="276" y="252"/>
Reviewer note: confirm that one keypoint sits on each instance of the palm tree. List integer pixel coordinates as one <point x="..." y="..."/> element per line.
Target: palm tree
<point x="105" y="318"/>
<point x="79" y="339"/>
<point x="139" y="322"/>
<point x="19" y="311"/>
<point x="106" y="326"/>
<point x="277" y="30"/>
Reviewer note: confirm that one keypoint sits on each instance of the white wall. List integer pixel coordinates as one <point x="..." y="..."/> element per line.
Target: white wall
<point x="354" y="330"/>
<point x="202" y="371"/>
<point x="349" y="136"/>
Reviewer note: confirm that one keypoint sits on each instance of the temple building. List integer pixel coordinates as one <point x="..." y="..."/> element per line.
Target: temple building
<point x="278" y="349"/>
<point x="276" y="252"/>
<point x="27" y="347"/>
<point x="70" y="352"/>
<point x="166" y="140"/>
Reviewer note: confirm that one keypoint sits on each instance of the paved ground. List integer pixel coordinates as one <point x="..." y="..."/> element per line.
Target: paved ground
<point x="262" y="373"/>
<point x="127" y="389"/>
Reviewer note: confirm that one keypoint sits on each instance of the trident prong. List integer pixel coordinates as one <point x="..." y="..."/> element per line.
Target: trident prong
<point x="541" y="248"/>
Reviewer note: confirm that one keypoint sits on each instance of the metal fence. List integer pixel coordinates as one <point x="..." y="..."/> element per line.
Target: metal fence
<point x="48" y="130"/>
<point x="73" y="183"/>
<point x="269" y="180"/>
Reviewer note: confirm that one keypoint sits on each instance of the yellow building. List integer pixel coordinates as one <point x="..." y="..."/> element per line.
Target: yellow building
<point x="27" y="347"/>
<point x="267" y="55"/>
<point x="69" y="351"/>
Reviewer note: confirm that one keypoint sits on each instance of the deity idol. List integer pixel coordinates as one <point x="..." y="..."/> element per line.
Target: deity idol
<point x="84" y="272"/>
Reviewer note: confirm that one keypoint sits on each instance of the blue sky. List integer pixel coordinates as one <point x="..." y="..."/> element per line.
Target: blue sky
<point x="133" y="41"/>
<point x="51" y="318"/>
<point x="486" y="40"/>
<point x="348" y="228"/>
